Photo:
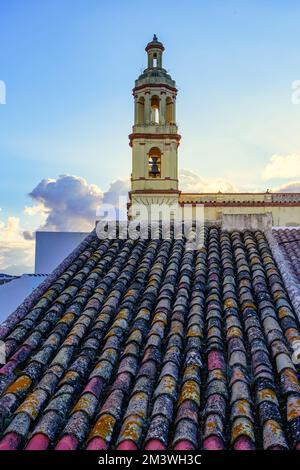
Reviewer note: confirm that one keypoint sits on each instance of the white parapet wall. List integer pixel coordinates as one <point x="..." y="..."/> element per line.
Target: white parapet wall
<point x="231" y="222"/>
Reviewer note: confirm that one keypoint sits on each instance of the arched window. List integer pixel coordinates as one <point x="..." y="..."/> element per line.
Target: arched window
<point x="154" y="60"/>
<point x="169" y="110"/>
<point x="155" y="109"/>
<point x="141" y="110"/>
<point x="154" y="163"/>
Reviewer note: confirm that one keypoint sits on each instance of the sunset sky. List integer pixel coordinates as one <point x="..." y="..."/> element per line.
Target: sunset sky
<point x="69" y="68"/>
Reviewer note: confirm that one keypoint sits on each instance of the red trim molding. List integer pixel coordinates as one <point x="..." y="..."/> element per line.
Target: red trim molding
<point x="155" y="45"/>
<point x="154" y="179"/>
<point x="242" y="204"/>
<point x="250" y="194"/>
<point x="226" y="194"/>
<point x="284" y="195"/>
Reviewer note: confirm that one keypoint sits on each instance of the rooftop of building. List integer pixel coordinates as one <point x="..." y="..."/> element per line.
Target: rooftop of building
<point x="148" y="344"/>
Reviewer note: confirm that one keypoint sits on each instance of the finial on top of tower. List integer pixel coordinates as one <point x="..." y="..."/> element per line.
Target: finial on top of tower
<point x="155" y="44"/>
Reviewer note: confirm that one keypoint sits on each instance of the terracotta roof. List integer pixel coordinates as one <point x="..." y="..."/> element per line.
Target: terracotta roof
<point x="146" y="344"/>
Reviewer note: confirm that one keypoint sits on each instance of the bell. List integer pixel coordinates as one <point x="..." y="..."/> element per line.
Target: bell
<point x="154" y="169"/>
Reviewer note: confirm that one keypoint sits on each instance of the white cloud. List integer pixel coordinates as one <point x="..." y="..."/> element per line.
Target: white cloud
<point x="282" y="166"/>
<point x="34" y="210"/>
<point x="191" y="182"/>
<point x="16" y="253"/>
<point x="68" y="202"/>
<point x="119" y="187"/>
<point x="292" y="187"/>
<point x="116" y="196"/>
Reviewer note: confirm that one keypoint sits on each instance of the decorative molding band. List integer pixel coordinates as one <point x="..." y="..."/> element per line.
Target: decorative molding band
<point x="154" y="85"/>
<point x="154" y="191"/>
<point x="137" y="135"/>
<point x="242" y="204"/>
<point x="154" y="179"/>
<point x="156" y="45"/>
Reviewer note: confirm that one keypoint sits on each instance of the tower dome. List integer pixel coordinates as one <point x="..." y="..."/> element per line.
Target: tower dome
<point x="154" y="44"/>
<point x="155" y="71"/>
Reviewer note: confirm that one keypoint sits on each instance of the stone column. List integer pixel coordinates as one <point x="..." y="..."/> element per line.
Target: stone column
<point x="147" y="108"/>
<point x="136" y="109"/>
<point x="159" y="59"/>
<point x="174" y="110"/>
<point x="162" y="109"/>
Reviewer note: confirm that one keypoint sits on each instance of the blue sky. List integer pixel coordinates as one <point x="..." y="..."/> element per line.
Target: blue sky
<point x="69" y="67"/>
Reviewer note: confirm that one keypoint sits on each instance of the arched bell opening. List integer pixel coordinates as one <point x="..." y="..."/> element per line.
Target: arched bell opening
<point x="155" y="109"/>
<point x="154" y="163"/>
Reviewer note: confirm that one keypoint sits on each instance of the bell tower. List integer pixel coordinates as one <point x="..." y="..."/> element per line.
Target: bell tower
<point x="154" y="139"/>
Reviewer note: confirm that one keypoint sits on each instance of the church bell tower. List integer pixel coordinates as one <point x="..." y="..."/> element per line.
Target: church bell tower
<point x="154" y="139"/>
